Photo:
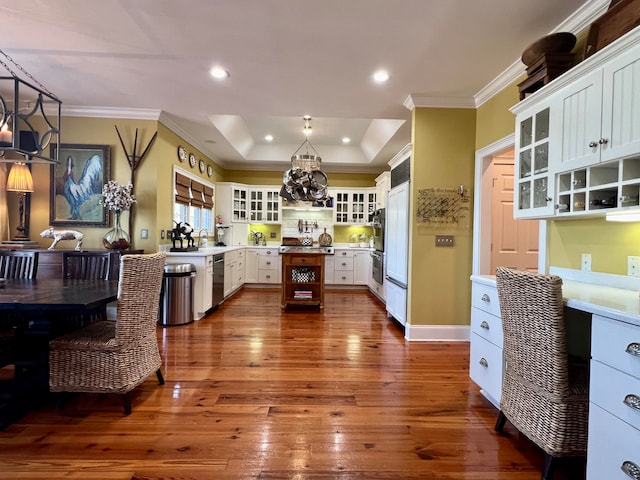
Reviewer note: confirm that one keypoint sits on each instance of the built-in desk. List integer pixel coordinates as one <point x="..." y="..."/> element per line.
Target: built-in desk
<point x="607" y="309"/>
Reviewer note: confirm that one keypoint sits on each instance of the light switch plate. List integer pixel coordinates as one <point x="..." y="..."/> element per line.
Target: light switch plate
<point x="144" y="233"/>
<point x="633" y="266"/>
<point x="445" y="241"/>
<point x="586" y="262"/>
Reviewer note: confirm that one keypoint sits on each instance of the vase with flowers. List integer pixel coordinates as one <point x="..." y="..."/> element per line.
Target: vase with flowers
<point x="117" y="198"/>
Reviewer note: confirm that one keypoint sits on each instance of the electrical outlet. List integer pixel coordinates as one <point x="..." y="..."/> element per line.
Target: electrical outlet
<point x="445" y="241"/>
<point x="161" y="234"/>
<point x="586" y="262"/>
<point x="144" y="234"/>
<point x="633" y="266"/>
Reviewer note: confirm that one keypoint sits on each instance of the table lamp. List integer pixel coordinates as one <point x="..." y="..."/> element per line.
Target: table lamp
<point x="21" y="182"/>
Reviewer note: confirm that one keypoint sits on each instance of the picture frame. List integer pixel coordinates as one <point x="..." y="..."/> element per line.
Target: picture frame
<point x="76" y="185"/>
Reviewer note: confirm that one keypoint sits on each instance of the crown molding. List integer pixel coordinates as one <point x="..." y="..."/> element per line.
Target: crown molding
<point x="107" y="112"/>
<point x="417" y="100"/>
<point x="576" y="23"/>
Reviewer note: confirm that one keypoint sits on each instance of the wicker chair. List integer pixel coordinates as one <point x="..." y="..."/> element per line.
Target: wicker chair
<point x="544" y="392"/>
<point x="115" y="357"/>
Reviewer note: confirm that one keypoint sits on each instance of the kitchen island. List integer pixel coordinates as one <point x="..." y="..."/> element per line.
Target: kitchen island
<point x="303" y="277"/>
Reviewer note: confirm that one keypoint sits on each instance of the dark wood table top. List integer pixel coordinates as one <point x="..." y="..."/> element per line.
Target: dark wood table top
<point x="48" y="294"/>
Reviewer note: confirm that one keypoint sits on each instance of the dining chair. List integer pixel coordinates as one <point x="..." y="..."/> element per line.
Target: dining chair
<point x="86" y="265"/>
<point x="545" y="392"/>
<point x="18" y="265"/>
<point x="115" y="357"/>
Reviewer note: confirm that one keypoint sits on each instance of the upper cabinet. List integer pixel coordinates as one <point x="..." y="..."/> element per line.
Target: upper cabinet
<point x="383" y="185"/>
<point x="264" y="205"/>
<point x="572" y="135"/>
<point x="352" y="206"/>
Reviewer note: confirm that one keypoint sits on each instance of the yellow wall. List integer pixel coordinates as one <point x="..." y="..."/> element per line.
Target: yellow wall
<point x="442" y="156"/>
<point x="493" y="118"/>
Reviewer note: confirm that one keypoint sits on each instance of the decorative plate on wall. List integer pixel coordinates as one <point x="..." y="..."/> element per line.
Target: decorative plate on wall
<point x="192" y="160"/>
<point x="209" y="170"/>
<point x="182" y="153"/>
<point x="201" y="166"/>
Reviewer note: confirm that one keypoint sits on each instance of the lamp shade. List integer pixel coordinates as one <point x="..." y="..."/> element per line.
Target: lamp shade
<point x="20" y="179"/>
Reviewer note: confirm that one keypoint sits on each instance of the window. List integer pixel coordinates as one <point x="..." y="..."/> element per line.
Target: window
<point x="193" y="203"/>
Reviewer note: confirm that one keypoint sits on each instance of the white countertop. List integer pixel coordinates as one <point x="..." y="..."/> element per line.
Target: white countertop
<point x="204" y="251"/>
<point x="621" y="304"/>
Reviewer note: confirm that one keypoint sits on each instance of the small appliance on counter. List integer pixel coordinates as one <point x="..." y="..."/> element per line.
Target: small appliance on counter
<point x="220" y="233"/>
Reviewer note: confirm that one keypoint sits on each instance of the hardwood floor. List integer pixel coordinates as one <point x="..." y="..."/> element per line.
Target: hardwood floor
<point x="255" y="393"/>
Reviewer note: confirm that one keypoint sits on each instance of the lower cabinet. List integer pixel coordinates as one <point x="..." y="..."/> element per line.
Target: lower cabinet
<point x="348" y="267"/>
<point x="262" y="265"/>
<point x="614" y="400"/>
<point x="397" y="302"/>
<point x="485" y="359"/>
<point x="233" y="271"/>
<point x="303" y="279"/>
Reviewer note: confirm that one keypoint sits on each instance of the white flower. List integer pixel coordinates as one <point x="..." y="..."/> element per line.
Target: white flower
<point x="117" y="197"/>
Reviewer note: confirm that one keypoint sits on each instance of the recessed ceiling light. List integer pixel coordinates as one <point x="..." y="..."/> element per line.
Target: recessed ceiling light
<point x="346" y="139"/>
<point x="380" y="76"/>
<point x="268" y="138"/>
<point x="219" y="73"/>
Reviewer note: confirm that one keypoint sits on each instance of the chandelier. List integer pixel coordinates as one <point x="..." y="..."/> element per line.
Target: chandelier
<point x="29" y="117"/>
<point x="305" y="180"/>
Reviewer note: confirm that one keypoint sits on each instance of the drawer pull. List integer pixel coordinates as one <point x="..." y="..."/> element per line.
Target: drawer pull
<point x="344" y="264"/>
<point x="268" y="263"/>
<point x="632" y="401"/>
<point x="630" y="469"/>
<point x="485" y="298"/>
<point x="268" y="277"/>
<point x="268" y="252"/>
<point x="484" y="325"/>
<point x="483" y="362"/>
<point x="633" y="349"/>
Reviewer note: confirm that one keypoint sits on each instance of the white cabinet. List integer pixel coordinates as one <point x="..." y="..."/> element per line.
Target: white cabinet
<point x="269" y="265"/>
<point x="485" y="359"/>
<point x="383" y="185"/>
<point x="232" y="202"/>
<point x="588" y="117"/>
<point x="203" y="283"/>
<point x="264" y="205"/>
<point x="329" y="269"/>
<point x="234" y="270"/>
<point x="614" y="395"/>
<point x="533" y="187"/>
<point x="397" y="233"/>
<point x="251" y="265"/>
<point x="361" y="267"/>
<point x="353" y="206"/>
<point x="397" y="302"/>
<point x="343" y="267"/>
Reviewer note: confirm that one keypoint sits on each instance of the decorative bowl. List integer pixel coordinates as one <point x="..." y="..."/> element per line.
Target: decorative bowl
<point x="560" y="42"/>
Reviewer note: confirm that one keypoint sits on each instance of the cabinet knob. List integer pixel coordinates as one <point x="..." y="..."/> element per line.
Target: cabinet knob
<point x="268" y="277"/>
<point x="483" y="362"/>
<point x="485" y="298"/>
<point x="344" y="278"/>
<point x="484" y="325"/>
<point x="630" y="469"/>
<point x="633" y="349"/>
<point x="547" y="199"/>
<point x="603" y="141"/>
<point x="344" y="264"/>
<point x="632" y="401"/>
<point x="593" y="144"/>
<point x="268" y="263"/>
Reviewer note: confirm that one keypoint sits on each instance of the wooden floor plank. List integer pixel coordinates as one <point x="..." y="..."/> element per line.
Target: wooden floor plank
<point x="253" y="392"/>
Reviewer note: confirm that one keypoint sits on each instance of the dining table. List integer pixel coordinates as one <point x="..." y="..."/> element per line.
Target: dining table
<point x="43" y="309"/>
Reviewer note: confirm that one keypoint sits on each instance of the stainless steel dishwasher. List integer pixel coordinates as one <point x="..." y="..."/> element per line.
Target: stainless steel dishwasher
<point x="218" y="279"/>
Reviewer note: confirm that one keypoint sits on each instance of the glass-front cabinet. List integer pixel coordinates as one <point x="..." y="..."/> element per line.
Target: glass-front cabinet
<point x="533" y="179"/>
<point x="353" y="206"/>
<point x="264" y="205"/>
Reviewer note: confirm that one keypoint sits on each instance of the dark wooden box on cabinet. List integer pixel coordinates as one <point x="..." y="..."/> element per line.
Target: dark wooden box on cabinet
<point x="547" y="67"/>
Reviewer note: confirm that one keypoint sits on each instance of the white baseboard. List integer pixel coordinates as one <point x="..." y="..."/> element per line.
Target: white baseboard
<point x="437" y="333"/>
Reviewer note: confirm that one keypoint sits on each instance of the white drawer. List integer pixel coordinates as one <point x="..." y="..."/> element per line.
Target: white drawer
<point x="268" y="276"/>
<point x="343" y="254"/>
<point x="343" y="278"/>
<point x="268" y="263"/>
<point x="485" y="366"/>
<point x="230" y="257"/>
<point x="268" y="252"/>
<point x="487" y="326"/>
<point x="611" y="443"/>
<point x="610" y="389"/>
<point x="240" y="253"/>
<point x="343" y="264"/>
<point x="485" y="297"/>
<point x="611" y="342"/>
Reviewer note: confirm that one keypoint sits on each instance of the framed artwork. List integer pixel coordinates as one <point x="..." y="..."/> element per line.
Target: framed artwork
<point x="76" y="185"/>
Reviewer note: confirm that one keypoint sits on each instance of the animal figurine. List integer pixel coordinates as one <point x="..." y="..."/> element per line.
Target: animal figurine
<point x="58" y="235"/>
<point x="180" y="230"/>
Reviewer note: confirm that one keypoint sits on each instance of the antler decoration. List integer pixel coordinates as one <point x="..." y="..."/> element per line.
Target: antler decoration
<point x="134" y="161"/>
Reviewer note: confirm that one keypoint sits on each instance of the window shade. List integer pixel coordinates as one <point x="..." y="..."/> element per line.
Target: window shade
<point x="183" y="184"/>
<point x="196" y="192"/>
<point x="208" y="197"/>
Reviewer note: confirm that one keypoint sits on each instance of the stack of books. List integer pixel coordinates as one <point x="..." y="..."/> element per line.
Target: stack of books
<point x="302" y="294"/>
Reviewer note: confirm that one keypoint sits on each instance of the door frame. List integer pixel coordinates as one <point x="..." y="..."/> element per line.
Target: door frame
<point x="482" y="210"/>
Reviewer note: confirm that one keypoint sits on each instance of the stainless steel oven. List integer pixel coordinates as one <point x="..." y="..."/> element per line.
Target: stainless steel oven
<point x="377" y="266"/>
<point x="377" y="222"/>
